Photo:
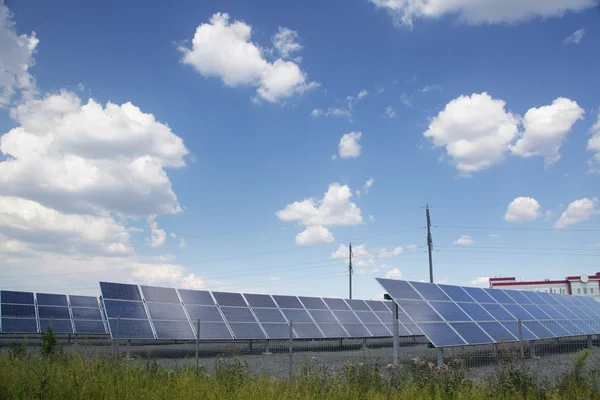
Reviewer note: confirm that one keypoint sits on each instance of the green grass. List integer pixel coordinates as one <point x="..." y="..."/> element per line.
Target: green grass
<point x="52" y="375"/>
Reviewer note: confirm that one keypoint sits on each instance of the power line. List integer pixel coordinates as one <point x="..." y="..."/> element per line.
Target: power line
<point x="524" y="248"/>
<point x="516" y="229"/>
<point x="511" y="265"/>
<point x="514" y="253"/>
<point x="469" y="206"/>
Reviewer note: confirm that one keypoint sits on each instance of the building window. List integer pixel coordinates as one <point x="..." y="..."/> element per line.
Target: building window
<point x="584" y="290"/>
<point x="578" y="291"/>
<point x="591" y="290"/>
<point x="562" y="291"/>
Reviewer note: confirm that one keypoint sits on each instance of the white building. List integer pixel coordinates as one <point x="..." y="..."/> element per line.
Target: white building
<point x="584" y="285"/>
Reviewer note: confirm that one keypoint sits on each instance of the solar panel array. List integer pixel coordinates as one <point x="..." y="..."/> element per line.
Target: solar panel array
<point x="165" y="313"/>
<point x="453" y="315"/>
<point x="28" y="312"/>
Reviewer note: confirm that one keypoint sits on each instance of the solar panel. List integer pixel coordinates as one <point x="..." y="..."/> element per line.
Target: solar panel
<point x="471" y="333"/>
<point x="89" y="327"/>
<point x="80" y="313"/>
<point x="125" y="309"/>
<point x="166" y="311"/>
<point x="244" y="330"/>
<point x="197" y="297"/>
<point x="323" y="316"/>
<point x="160" y="294"/>
<point x="450" y="311"/>
<point x="18" y="311"/>
<point x="479" y="295"/>
<point x="238" y="314"/>
<point x="313" y="303"/>
<point x="47" y="299"/>
<point x="58" y="325"/>
<point x="266" y="315"/>
<point x="500" y="296"/>
<point x="376" y="305"/>
<point x="518" y="297"/>
<point x="83" y="301"/>
<point x="419" y="310"/>
<point x="130" y="328"/>
<point x="399" y="289"/>
<point x="441" y="334"/>
<point x="260" y="300"/>
<point x="297" y="316"/>
<point x="358" y="305"/>
<point x="456" y="293"/>
<point x="9" y="297"/>
<point x="229" y="299"/>
<point x="204" y="313"/>
<point x="120" y="291"/>
<point x="277" y="330"/>
<point x="430" y="292"/>
<point x="53" y="312"/>
<point x="306" y="330"/>
<point x="173" y="330"/>
<point x="476" y="312"/>
<point x="214" y="331"/>
<point x="18" y="325"/>
<point x="287" y="301"/>
<point x="336" y="304"/>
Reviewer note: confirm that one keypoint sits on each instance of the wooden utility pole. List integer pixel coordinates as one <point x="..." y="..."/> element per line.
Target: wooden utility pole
<point x="429" y="243"/>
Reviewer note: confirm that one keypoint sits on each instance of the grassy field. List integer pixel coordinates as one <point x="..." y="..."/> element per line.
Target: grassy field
<point x="48" y="374"/>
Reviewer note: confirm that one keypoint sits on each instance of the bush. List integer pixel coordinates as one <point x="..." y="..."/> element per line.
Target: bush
<point x="49" y="343"/>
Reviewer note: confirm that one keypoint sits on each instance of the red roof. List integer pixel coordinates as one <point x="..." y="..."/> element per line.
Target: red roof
<point x="548" y="282"/>
<point x="508" y="278"/>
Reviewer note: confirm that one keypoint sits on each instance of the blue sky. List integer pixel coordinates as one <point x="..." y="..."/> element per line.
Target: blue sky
<point x="467" y="109"/>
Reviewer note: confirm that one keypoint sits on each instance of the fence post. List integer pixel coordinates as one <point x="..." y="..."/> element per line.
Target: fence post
<point x="521" y="337"/>
<point x="267" y="348"/>
<point x="128" y="349"/>
<point x="589" y="341"/>
<point x="291" y="363"/>
<point x="51" y="320"/>
<point x="117" y="342"/>
<point x="396" y="333"/>
<point x="197" y="345"/>
<point x="439" y="353"/>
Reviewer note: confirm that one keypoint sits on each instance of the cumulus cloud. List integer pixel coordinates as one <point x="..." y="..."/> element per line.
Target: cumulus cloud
<point x="546" y="128"/>
<point x="341" y="111"/>
<point x="163" y="258"/>
<point x="593" y="144"/>
<point x="411" y="246"/>
<point x="494" y="235"/>
<point x="477" y="131"/>
<point x="385" y="253"/>
<point x="389" y="112"/>
<point x="349" y="146"/>
<point x="361" y="257"/>
<point x="171" y="274"/>
<point x="522" y="209"/>
<point x="223" y="49"/>
<point x="393" y="274"/>
<point x="578" y="211"/>
<point x="368" y="184"/>
<point x="182" y="243"/>
<point x="157" y="235"/>
<point x="464" y="240"/>
<point x="404" y="12"/>
<point x="314" y="234"/>
<point x="482" y="281"/>
<point x="575" y="37"/>
<point x="17" y="58"/>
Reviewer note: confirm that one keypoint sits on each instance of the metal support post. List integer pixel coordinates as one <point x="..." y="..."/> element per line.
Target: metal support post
<point x="76" y="339"/>
<point x="267" y="349"/>
<point x="197" y="346"/>
<point x="521" y="337"/>
<point x="51" y="320"/>
<point x="117" y="342"/>
<point x="439" y="353"/>
<point x="364" y="347"/>
<point x="396" y="333"/>
<point x="291" y="363"/>
<point x="250" y="345"/>
<point x="589" y="342"/>
<point x="128" y="349"/>
<point x="69" y="339"/>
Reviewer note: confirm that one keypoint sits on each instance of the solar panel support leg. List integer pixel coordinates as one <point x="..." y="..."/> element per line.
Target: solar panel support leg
<point x="250" y="345"/>
<point x="267" y="349"/>
<point x="589" y="342"/>
<point x="128" y="348"/>
<point x="439" y="353"/>
<point x="197" y="346"/>
<point x="521" y="338"/>
<point x="76" y="339"/>
<point x="69" y="339"/>
<point x="291" y="353"/>
<point x="117" y="340"/>
<point x="396" y="333"/>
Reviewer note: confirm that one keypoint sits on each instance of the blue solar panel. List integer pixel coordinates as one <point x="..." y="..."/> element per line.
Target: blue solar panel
<point x="430" y="292"/>
<point x="229" y="299"/>
<point x="518" y="311"/>
<point x="379" y="330"/>
<point x="58" y="325"/>
<point x="476" y="312"/>
<point x="450" y="311"/>
<point x="196" y="297"/>
<point x="125" y="309"/>
<point x="53" y="312"/>
<point x="277" y="330"/>
<point x="313" y="303"/>
<point x="498" y="312"/>
<point x="479" y="295"/>
<point x="86" y="313"/>
<point x="166" y="311"/>
<point x="268" y="315"/>
<point x="336" y="304"/>
<point x="565" y="311"/>
<point x="546" y="329"/>
<point x="577" y="311"/>
<point x="441" y="335"/>
<point x="19" y="325"/>
<point x="214" y="331"/>
<point x="346" y="317"/>
<point x="456" y="293"/>
<point x="367" y="317"/>
<point x="498" y="332"/>
<point x="513" y="327"/>
<point x="83" y="301"/>
<point x="535" y="299"/>
<point x="260" y="300"/>
<point x="399" y="289"/>
<point x="472" y="333"/>
<point x="356" y="330"/>
<point x="173" y="330"/>
<point x="89" y="327"/>
<point x="18" y="311"/>
<point x="500" y="296"/>
<point x="204" y="313"/>
<point x="323" y="316"/>
<point x="333" y="330"/>
<point x="243" y="330"/>
<point x="376" y="305"/>
<point x="160" y="294"/>
<point x="238" y="314"/>
<point x="358" y="305"/>
<point x="130" y="329"/>
<point x="297" y="315"/>
<point x="287" y="301"/>
<point x="550" y="299"/>
<point x="46" y="299"/>
<point x="419" y="310"/>
<point x="518" y="296"/>
<point x="595" y="313"/>
<point x="9" y="297"/>
<point x="307" y="330"/>
<point x="119" y="291"/>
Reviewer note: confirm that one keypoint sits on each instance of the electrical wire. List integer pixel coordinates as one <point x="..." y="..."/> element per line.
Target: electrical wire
<point x="522" y="248"/>
<point x="516" y="229"/>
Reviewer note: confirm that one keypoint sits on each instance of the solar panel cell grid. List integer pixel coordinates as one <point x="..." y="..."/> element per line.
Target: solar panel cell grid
<point x="358" y="305"/>
<point x="307" y="330"/>
<point x="17" y="311"/>
<point x="89" y="327"/>
<point x="498" y="312"/>
<point x="238" y="314"/>
<point x="456" y="293"/>
<point x="518" y="297"/>
<point x="204" y="313"/>
<point x="83" y="301"/>
<point x="336" y="304"/>
<point x="419" y="310"/>
<point x="476" y="312"/>
<point x="125" y="309"/>
<point x="58" y="325"/>
<point x="130" y="329"/>
<point x="46" y="299"/>
<point x="160" y="294"/>
<point x="18" y="325"/>
<point x="166" y="311"/>
<point x="54" y="312"/>
<point x="399" y="289"/>
<point x="356" y="330"/>
<point x="268" y="315"/>
<point x="287" y="301"/>
<point x="430" y="292"/>
<point x="86" y="313"/>
<point x="260" y="300"/>
<point x="243" y="330"/>
<point x="323" y="316"/>
<point x="277" y="330"/>
<point x="298" y="316"/>
<point x="334" y="330"/>
<point x="196" y="297"/>
<point x="450" y="311"/>
<point x="377" y="305"/>
<point x="346" y="317"/>
<point x="367" y="317"/>
<point x="441" y="335"/>
<point x="471" y="333"/>
<point x="229" y="299"/>
<point x="479" y="295"/>
<point x="214" y="330"/>
<point x="10" y="297"/>
<point x="500" y="296"/>
<point x="173" y="330"/>
<point x="120" y="291"/>
<point x="313" y="303"/>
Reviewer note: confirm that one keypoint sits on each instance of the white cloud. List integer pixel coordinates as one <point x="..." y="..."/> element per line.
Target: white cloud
<point x="404" y="12"/>
<point x="575" y="37"/>
<point x="274" y="278"/>
<point x="522" y="209"/>
<point x="390" y="112"/>
<point x="165" y="258"/>
<point x="338" y="112"/>
<point x="171" y="274"/>
<point x="349" y="146"/>
<point x="317" y="112"/>
<point x="494" y="235"/>
<point x="335" y="208"/>
<point x="406" y="99"/>
<point x="352" y="100"/>
<point x="475" y="130"/>
<point x="158" y="236"/>
<point x="578" y="211"/>
<point x="361" y="257"/>
<point x="366" y="271"/>
<point x="90" y="159"/>
<point x="394" y="274"/>
<point x="223" y="49"/>
<point x="173" y="235"/>
<point x="371" y="218"/>
<point x="385" y="253"/>
<point x="368" y="184"/>
<point x="431" y="88"/>
<point x="17" y="57"/>
<point x="464" y="240"/>
<point x="314" y="234"/>
<point x="182" y="243"/>
<point x="593" y="144"/>
<point x="482" y="281"/>
<point x="411" y="246"/>
<point x="546" y="128"/>
<point x="286" y="42"/>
